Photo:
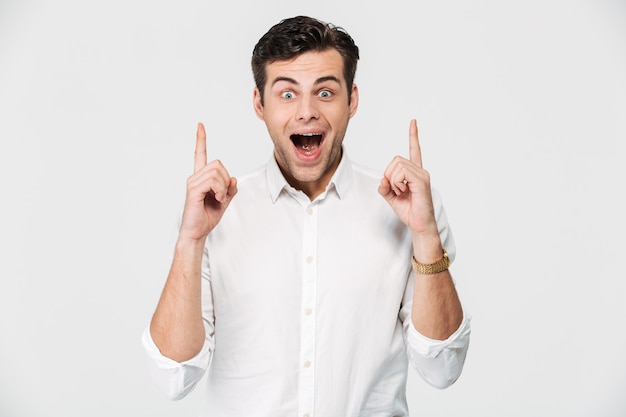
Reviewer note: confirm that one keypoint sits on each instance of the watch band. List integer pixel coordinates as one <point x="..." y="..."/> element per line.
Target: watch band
<point x="430" y="269"/>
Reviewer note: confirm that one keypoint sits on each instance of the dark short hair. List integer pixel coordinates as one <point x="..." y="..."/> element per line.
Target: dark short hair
<point x="297" y="35"/>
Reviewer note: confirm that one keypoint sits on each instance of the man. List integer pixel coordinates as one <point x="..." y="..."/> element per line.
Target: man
<point x="306" y="291"/>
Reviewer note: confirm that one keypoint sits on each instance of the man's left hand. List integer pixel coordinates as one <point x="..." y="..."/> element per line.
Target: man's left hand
<point x="406" y="187"/>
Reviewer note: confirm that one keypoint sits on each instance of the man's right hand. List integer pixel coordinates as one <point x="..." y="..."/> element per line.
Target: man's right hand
<point x="209" y="192"/>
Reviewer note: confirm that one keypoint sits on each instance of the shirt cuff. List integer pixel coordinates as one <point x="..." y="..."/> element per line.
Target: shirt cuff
<point x="440" y="362"/>
<point x="175" y="379"/>
<point x="431" y="348"/>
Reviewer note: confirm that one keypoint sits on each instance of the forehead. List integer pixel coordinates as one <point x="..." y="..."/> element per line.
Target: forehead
<point x="307" y="67"/>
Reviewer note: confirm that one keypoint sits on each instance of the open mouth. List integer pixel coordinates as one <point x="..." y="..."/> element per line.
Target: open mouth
<point x="307" y="142"/>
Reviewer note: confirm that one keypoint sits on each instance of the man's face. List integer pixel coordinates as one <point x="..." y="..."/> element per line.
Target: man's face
<point x="306" y="112"/>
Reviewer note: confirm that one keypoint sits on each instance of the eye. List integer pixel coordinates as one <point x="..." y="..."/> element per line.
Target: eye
<point x="287" y="95"/>
<point x="325" y="94"/>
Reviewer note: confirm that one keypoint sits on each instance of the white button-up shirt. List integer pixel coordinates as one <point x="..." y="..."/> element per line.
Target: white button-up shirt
<point x="307" y="305"/>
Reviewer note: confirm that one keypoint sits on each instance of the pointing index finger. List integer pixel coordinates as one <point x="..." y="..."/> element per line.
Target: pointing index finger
<point x="415" y="153"/>
<point x="200" y="152"/>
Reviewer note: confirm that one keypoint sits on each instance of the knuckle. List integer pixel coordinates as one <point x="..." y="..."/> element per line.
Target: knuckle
<point x="216" y="163"/>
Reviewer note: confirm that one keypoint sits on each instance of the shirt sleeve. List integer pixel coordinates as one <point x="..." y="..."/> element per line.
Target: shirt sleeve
<point x="439" y="362"/>
<point x="175" y="379"/>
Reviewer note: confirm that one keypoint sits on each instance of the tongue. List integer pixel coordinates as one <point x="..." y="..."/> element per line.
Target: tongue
<point x="306" y="143"/>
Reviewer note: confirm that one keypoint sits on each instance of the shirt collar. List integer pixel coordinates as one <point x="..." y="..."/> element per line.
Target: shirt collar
<point x="340" y="181"/>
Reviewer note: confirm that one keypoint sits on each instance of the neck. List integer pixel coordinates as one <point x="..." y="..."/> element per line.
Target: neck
<point x="314" y="187"/>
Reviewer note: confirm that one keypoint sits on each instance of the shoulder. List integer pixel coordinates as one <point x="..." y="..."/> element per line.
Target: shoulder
<point x="365" y="176"/>
<point x="366" y="172"/>
<point x="363" y="189"/>
<point x="252" y="176"/>
<point x="252" y="184"/>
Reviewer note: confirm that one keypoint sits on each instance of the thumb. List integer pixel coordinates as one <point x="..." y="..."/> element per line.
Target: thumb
<point x="384" y="189"/>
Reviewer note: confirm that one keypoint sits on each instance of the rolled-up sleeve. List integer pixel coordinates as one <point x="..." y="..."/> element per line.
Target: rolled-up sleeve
<point x="439" y="362"/>
<point x="175" y="379"/>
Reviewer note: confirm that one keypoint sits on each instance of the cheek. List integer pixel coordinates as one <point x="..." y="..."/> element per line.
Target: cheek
<point x="275" y="120"/>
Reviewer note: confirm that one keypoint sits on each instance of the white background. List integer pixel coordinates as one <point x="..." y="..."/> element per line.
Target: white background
<point x="522" y="114"/>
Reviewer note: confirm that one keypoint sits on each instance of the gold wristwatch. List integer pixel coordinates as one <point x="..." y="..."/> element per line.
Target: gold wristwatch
<point x="430" y="269"/>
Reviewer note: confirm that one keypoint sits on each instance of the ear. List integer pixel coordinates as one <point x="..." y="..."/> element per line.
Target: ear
<point x="354" y="100"/>
<point x="257" y="103"/>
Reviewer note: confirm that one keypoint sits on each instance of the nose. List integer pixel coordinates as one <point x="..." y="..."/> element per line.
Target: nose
<point x="307" y="109"/>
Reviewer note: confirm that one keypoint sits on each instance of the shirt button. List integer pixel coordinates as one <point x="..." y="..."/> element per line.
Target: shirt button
<point x="307" y="364"/>
<point x="309" y="259"/>
<point x="308" y="311"/>
<point x="309" y="211"/>
<point x="305" y="415"/>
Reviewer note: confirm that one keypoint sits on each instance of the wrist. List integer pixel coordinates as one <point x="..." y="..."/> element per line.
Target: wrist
<point x="192" y="234"/>
<point x="432" y="268"/>
<point x="427" y="248"/>
<point x="187" y="243"/>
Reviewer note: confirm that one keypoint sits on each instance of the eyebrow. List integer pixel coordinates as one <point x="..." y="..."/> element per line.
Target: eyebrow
<point x="318" y="81"/>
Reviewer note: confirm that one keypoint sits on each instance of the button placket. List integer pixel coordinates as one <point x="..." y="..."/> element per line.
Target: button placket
<point x="309" y="285"/>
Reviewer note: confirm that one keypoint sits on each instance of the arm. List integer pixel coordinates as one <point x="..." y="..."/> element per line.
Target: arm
<point x="437" y="323"/>
<point x="437" y="311"/>
<point x="176" y="327"/>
